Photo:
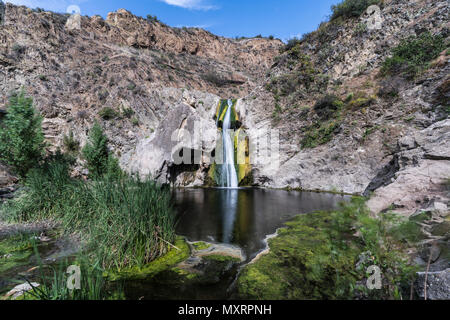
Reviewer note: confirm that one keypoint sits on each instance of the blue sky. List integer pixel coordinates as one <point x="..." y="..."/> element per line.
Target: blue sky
<point x="283" y="19"/>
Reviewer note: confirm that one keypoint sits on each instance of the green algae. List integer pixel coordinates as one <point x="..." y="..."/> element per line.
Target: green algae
<point x="15" y="252"/>
<point x="201" y="245"/>
<point x="220" y="258"/>
<point x="169" y="260"/>
<point x="303" y="264"/>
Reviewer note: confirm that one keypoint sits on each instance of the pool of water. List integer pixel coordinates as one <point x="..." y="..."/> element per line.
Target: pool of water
<point x="243" y="217"/>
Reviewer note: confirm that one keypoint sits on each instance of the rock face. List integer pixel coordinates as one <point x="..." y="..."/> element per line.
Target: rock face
<point x="425" y="162"/>
<point x="392" y="139"/>
<point x="75" y="66"/>
<point x="178" y="150"/>
<point x="399" y="144"/>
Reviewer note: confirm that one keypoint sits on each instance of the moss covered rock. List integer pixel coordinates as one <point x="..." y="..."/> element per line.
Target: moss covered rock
<point x="302" y="263"/>
<point x="14" y="252"/>
<point x="171" y="259"/>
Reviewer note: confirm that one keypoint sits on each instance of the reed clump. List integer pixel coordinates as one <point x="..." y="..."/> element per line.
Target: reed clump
<point x="124" y="221"/>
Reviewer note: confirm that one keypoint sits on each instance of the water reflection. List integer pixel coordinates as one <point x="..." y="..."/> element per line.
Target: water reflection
<point x="243" y="216"/>
<point x="228" y="208"/>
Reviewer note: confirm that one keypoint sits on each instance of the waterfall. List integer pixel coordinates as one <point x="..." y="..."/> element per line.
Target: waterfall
<point x="229" y="175"/>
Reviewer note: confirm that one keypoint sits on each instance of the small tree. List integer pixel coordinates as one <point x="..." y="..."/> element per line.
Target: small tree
<point x="21" y="138"/>
<point x="96" y="152"/>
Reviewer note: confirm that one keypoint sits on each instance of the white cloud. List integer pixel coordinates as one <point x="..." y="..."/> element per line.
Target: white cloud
<point x="191" y="4"/>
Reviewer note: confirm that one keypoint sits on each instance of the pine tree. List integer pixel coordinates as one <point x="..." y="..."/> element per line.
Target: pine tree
<point x="21" y="138"/>
<point x="96" y="152"/>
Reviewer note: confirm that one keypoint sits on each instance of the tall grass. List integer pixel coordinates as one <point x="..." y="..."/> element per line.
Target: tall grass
<point x="54" y="282"/>
<point x="125" y="222"/>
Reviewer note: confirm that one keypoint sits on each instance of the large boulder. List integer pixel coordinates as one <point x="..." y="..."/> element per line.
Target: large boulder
<point x="185" y="130"/>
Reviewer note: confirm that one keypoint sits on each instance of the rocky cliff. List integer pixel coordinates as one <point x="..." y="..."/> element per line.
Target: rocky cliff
<point x="144" y="80"/>
<point x="387" y="135"/>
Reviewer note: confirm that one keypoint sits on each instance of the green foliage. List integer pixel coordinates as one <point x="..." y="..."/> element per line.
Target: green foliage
<point x="319" y="133"/>
<point x="291" y="44"/>
<point x="412" y="55"/>
<point x="127" y="112"/>
<point x="54" y="287"/>
<point x="360" y="100"/>
<point x="21" y="138"/>
<point x="351" y="8"/>
<point x="70" y="143"/>
<point x="152" y="19"/>
<point x="108" y="113"/>
<point x="135" y="121"/>
<point x="277" y="111"/>
<point x="96" y="151"/>
<point x="304" y="76"/>
<point x="360" y="29"/>
<point x="131" y="86"/>
<point x="328" y="106"/>
<point x="15" y="251"/>
<point x="44" y="186"/>
<point x="302" y="264"/>
<point x="177" y="253"/>
<point x="201" y="245"/>
<point x="113" y="170"/>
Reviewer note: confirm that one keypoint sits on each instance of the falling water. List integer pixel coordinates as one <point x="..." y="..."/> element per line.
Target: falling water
<point x="229" y="175"/>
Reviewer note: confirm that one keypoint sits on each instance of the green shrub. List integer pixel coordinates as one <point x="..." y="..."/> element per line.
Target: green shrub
<point x="70" y="143"/>
<point x="360" y="29"/>
<point x="351" y="8"/>
<point x="319" y="133"/>
<point x="152" y="19"/>
<point x="135" y="121"/>
<point x="328" y="106"/>
<point x="96" y="152"/>
<point x="108" y="113"/>
<point x="292" y="43"/>
<point x="113" y="169"/>
<point x="413" y="55"/>
<point x="304" y="76"/>
<point x="127" y="112"/>
<point x="21" y="137"/>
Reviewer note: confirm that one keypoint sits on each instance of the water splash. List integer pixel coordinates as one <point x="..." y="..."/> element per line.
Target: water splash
<point x="229" y="174"/>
